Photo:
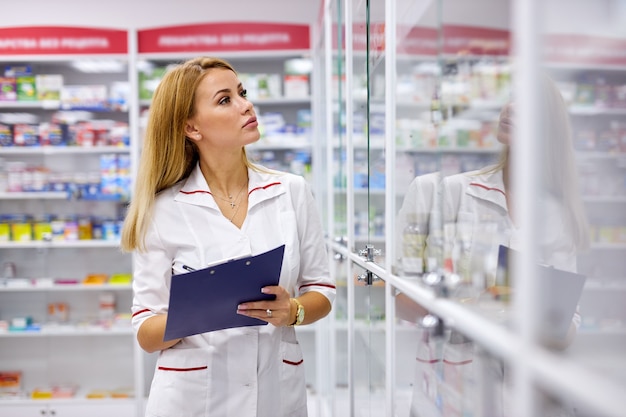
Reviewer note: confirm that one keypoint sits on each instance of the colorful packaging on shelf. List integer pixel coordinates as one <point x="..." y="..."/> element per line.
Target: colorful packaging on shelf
<point x="148" y="82"/>
<point x="6" y="134"/>
<point x="8" y="89"/>
<point x="58" y="312"/>
<point x="5" y="230"/>
<point x="52" y="134"/>
<point x="84" y="96"/>
<point x="84" y="228"/>
<point x="22" y="229"/>
<point x="26" y="134"/>
<point x="17" y="70"/>
<point x="58" y="229"/>
<point x="10" y="382"/>
<point x="42" y="228"/>
<point x="25" y="87"/>
<point x="48" y="86"/>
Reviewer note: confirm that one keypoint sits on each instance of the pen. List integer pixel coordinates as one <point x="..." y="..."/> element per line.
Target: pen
<point x="188" y="268"/>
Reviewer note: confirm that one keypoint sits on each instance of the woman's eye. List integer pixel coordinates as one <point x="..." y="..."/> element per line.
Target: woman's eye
<point x="225" y="100"/>
<point x="244" y="93"/>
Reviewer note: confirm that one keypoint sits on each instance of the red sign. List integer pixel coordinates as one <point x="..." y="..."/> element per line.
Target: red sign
<point x="456" y="40"/>
<point x="417" y="40"/>
<point x="59" y="40"/>
<point x="471" y="40"/>
<point x="583" y="49"/>
<point x="224" y="37"/>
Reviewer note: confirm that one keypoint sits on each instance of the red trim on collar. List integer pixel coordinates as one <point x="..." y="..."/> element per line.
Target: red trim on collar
<point x="250" y="192"/>
<point x="194" y="192"/>
<point x="488" y="188"/>
<point x="197" y="368"/>
<point x="264" y="187"/>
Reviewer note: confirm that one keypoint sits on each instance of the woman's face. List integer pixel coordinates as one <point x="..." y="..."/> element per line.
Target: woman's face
<point x="506" y="125"/>
<point x="224" y="118"/>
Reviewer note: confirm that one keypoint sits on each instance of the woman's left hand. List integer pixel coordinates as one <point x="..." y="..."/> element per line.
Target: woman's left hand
<point x="277" y="312"/>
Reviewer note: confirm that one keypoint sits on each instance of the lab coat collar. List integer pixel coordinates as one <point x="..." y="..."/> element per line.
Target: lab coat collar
<point x="261" y="186"/>
<point x="489" y="187"/>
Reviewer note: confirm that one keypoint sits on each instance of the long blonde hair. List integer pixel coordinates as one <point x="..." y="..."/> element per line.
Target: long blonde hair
<point x="167" y="156"/>
<point x="557" y="161"/>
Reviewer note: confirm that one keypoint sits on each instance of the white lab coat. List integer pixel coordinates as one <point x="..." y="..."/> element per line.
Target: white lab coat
<point x="254" y="371"/>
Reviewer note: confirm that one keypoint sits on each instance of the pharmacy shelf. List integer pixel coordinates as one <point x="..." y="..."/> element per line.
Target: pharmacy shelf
<point x="64" y="244"/>
<point x="61" y="150"/>
<point x="49" y="330"/>
<point x="38" y="195"/>
<point x="61" y="287"/>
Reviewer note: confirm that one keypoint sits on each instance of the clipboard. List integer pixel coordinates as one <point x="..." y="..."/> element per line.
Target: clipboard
<point x="206" y="300"/>
<point x="558" y="299"/>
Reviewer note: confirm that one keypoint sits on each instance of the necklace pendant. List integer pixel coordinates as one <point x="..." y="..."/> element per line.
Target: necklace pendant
<point x="232" y="205"/>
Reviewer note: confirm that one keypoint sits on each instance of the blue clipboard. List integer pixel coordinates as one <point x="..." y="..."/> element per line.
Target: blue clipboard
<point x="206" y="300"/>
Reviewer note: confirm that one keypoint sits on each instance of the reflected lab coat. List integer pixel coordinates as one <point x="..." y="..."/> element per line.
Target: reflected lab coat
<point x="475" y="202"/>
<point x="254" y="371"/>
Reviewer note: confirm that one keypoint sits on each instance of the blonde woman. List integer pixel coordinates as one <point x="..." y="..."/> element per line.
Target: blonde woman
<point x="198" y="200"/>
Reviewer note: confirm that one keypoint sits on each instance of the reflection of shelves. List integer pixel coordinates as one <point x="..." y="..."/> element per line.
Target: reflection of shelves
<point x="372" y="325"/>
<point x="61" y="150"/>
<point x="609" y="286"/>
<point x="442" y="150"/>
<point x="65" y="244"/>
<point x="609" y="331"/>
<point x="608" y="246"/>
<point x="594" y="111"/>
<point x="370" y="239"/>
<point x="605" y="199"/>
<point x="589" y="155"/>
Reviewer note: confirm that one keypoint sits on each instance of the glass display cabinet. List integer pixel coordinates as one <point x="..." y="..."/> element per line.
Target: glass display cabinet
<point x="474" y="196"/>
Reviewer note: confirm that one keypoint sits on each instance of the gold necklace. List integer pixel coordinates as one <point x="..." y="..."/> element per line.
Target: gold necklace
<point x="230" y="201"/>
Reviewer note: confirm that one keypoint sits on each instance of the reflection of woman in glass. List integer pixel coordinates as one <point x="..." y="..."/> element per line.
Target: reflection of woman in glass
<point x="480" y="207"/>
<point x="481" y="203"/>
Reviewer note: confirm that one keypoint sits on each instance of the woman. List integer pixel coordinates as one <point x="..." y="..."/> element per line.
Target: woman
<point x="481" y="203"/>
<point x="198" y="200"/>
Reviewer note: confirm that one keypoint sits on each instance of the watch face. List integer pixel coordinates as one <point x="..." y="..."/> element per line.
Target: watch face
<point x="300" y="315"/>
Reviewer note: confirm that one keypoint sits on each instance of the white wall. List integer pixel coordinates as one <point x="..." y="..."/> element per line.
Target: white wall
<point x="139" y="14"/>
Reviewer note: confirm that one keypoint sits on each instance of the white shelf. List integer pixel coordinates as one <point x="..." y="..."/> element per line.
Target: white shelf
<point x="580" y="110"/>
<point x="608" y="246"/>
<point x="605" y="199"/>
<point x="66" y="244"/>
<point x="70" y="331"/>
<point x="61" y="150"/>
<point x="66" y="287"/>
<point x="35" y="195"/>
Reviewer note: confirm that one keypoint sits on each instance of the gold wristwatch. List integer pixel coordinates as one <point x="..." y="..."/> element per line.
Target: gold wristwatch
<point x="299" y="313"/>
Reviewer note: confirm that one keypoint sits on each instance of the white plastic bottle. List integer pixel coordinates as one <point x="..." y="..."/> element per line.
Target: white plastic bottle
<point x="413" y="245"/>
